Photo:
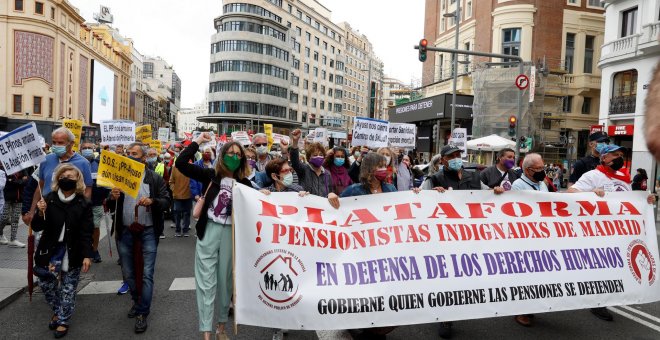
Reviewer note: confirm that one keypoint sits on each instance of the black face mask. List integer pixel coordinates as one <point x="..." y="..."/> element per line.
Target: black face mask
<point x="539" y="176"/>
<point x="66" y="184"/>
<point x="617" y="164"/>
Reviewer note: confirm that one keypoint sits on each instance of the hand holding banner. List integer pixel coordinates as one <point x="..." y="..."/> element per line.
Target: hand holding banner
<point x="75" y="126"/>
<point x="21" y="149"/>
<point x="120" y="172"/>
<point x="117" y="132"/>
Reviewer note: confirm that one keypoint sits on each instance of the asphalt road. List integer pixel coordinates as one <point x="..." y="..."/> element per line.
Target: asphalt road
<point x="102" y="315"/>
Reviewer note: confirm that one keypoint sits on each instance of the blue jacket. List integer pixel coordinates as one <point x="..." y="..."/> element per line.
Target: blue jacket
<point x="358" y="189"/>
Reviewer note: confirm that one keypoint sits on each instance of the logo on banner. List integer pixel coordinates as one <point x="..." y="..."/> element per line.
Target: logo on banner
<point x="641" y="262"/>
<point x="278" y="278"/>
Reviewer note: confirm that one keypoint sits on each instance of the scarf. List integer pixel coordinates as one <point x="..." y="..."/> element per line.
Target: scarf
<point x="622" y="175"/>
<point x="340" y="178"/>
<point x="60" y="194"/>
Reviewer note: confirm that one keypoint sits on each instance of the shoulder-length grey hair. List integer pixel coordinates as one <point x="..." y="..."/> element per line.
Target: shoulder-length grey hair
<point x="80" y="184"/>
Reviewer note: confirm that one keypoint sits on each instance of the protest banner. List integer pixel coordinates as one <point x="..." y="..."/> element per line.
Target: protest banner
<point x="459" y="139"/>
<point x="75" y="126"/>
<point x="172" y="136"/>
<point x="21" y="149"/>
<point x="268" y="130"/>
<point x="402" y="135"/>
<point x="156" y="144"/>
<point x="277" y="138"/>
<point x="117" y="132"/>
<point x="370" y="132"/>
<point x="163" y="133"/>
<point x="143" y="134"/>
<point x="241" y="137"/>
<point x="121" y="172"/>
<point x="320" y="136"/>
<point x="212" y="143"/>
<point x="405" y="258"/>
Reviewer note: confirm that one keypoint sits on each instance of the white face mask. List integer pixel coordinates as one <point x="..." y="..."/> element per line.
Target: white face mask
<point x="287" y="180"/>
<point x="262" y="150"/>
<point x="387" y="160"/>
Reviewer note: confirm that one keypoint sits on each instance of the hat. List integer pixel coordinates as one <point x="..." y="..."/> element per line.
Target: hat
<point x="599" y="136"/>
<point x="448" y="150"/>
<point x="611" y="148"/>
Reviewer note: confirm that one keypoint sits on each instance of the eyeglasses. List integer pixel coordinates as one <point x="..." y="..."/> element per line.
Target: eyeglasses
<point x="263" y="144"/>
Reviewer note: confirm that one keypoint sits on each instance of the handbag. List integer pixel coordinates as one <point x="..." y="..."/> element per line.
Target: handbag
<point x="199" y="205"/>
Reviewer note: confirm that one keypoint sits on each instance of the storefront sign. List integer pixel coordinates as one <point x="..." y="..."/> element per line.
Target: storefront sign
<point x="620" y="130"/>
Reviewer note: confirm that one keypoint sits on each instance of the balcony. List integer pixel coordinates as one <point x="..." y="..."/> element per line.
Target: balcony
<point x="622" y="47"/>
<point x="623" y="105"/>
<point x="582" y="82"/>
<point x="649" y="39"/>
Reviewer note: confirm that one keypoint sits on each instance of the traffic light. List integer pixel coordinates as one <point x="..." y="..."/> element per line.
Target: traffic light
<point x="435" y="131"/>
<point x="422" y="49"/>
<point x="523" y="142"/>
<point x="512" y="125"/>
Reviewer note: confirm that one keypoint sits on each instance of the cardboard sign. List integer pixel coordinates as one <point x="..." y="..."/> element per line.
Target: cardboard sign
<point x="117" y="132"/>
<point x="143" y="134"/>
<point x="277" y="139"/>
<point x="163" y="133"/>
<point x="120" y="172"/>
<point x="21" y="149"/>
<point x="402" y="135"/>
<point x="156" y="144"/>
<point x="241" y="137"/>
<point x="459" y="139"/>
<point x="75" y="126"/>
<point x="372" y="133"/>
<point x="212" y="143"/>
<point x="268" y="130"/>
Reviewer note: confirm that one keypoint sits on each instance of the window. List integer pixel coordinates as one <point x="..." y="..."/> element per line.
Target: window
<point x="304" y="102"/>
<point x="18" y="103"/>
<point x="511" y="41"/>
<point x="316" y="56"/>
<point x="628" y="22"/>
<point x="325" y="60"/>
<point x="468" y="9"/>
<point x="314" y="102"/>
<point x="595" y="3"/>
<point x="307" y="51"/>
<point x="305" y="84"/>
<point x="308" y="36"/>
<point x="316" y="41"/>
<point x="290" y="9"/>
<point x="586" y="106"/>
<point x="52" y="13"/>
<point x="574" y="2"/>
<point x="624" y="92"/>
<point x="315" y="87"/>
<point x="39" y="7"/>
<point x="306" y="68"/>
<point x="298" y="31"/>
<point x="589" y="54"/>
<point x="570" y="52"/>
<point x="18" y="5"/>
<point x="567" y="104"/>
<point x="36" y="107"/>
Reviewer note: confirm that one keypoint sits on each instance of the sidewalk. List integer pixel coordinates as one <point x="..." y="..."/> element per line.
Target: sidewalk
<point x="13" y="268"/>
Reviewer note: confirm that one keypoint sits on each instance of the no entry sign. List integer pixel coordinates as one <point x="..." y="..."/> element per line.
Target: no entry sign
<point x="522" y="82"/>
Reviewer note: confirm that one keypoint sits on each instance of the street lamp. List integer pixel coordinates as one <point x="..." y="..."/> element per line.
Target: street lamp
<point x="456" y="15"/>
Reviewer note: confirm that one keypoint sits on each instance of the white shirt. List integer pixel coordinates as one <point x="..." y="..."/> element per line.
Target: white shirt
<point x="224" y="199"/>
<point x="595" y="179"/>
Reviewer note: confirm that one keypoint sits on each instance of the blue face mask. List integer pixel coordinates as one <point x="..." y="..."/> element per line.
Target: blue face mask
<point x="87" y="153"/>
<point x="600" y="147"/>
<point x="455" y="164"/>
<point x="152" y="160"/>
<point x="339" y="161"/>
<point x="59" y="150"/>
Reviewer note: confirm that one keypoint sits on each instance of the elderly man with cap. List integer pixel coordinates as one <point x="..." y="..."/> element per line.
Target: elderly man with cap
<point x="452" y="176"/>
<point x="590" y="162"/>
<point x="609" y="176"/>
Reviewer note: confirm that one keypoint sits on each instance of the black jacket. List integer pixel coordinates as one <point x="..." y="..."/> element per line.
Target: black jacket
<point x="449" y="179"/>
<point x="582" y="166"/>
<point x="14" y="187"/>
<point x="205" y="176"/>
<point x="77" y="216"/>
<point x="492" y="177"/>
<point x="161" y="202"/>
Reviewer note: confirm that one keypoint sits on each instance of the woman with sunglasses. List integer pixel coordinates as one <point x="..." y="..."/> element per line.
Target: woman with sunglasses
<point x="213" y="253"/>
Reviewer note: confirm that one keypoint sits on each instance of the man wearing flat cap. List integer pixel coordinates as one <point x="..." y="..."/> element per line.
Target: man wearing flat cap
<point x="597" y="140"/>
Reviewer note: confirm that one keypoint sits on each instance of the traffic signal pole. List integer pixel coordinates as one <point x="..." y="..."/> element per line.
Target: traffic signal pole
<point x="521" y="69"/>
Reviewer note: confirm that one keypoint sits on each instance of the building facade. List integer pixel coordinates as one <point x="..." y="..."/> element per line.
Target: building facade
<point x="395" y="92"/>
<point x="629" y="56"/>
<point x="49" y="53"/>
<point x="558" y="37"/>
<point x="163" y="86"/>
<point x="186" y="120"/>
<point x="285" y="63"/>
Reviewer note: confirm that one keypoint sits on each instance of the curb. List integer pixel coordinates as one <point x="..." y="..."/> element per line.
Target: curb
<point x="12" y="297"/>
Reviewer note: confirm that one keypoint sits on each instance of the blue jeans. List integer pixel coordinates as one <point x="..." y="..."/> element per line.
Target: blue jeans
<point x="182" y="210"/>
<point x="149" y="247"/>
<point x="61" y="293"/>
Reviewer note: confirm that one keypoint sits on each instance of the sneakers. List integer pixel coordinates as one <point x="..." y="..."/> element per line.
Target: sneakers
<point x="172" y="226"/>
<point x="16" y="244"/>
<point x="97" y="257"/>
<point x="177" y="235"/>
<point x="123" y="289"/>
<point x="185" y="234"/>
<point x="162" y="236"/>
<point x="140" y="323"/>
<point x="132" y="313"/>
<point x="602" y="313"/>
<point x="445" y="331"/>
<point x="3" y="240"/>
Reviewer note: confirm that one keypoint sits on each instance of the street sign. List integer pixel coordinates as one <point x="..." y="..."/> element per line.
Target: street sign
<point x="522" y="82"/>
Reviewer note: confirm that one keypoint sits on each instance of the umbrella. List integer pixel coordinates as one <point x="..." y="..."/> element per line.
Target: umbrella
<point x="106" y="220"/>
<point x="138" y="259"/>
<point x="30" y="254"/>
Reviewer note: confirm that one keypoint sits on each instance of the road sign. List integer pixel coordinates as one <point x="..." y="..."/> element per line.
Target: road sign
<point x="522" y="82"/>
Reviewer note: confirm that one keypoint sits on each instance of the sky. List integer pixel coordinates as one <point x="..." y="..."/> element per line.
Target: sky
<point x="180" y="33"/>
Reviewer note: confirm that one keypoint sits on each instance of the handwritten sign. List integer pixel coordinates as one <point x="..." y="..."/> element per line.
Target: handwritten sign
<point x="117" y="132"/>
<point x="370" y="132"/>
<point x="402" y="135"/>
<point x="143" y="134"/>
<point x="21" y="149"/>
<point x="120" y="172"/>
<point x="163" y="133"/>
<point x="75" y="126"/>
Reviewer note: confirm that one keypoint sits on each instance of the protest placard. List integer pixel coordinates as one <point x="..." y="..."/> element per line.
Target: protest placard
<point x="268" y="130"/>
<point x="321" y="136"/>
<point x="21" y="149"/>
<point x="402" y="135"/>
<point x="143" y="134"/>
<point x="75" y="126"/>
<point x="163" y="134"/>
<point x="117" y="132"/>
<point x="172" y="136"/>
<point x="156" y="144"/>
<point x="241" y="137"/>
<point x="277" y="138"/>
<point x="404" y="258"/>
<point x="370" y="132"/>
<point x="121" y="172"/>
<point x="211" y="144"/>
<point x="459" y="139"/>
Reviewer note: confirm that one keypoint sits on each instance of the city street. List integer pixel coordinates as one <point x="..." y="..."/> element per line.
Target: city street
<point x="101" y="314"/>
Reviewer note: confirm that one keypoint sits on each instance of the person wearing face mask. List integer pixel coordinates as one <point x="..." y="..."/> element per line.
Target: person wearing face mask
<point x="500" y="176"/>
<point x="452" y="176"/>
<point x="281" y="173"/>
<point x="152" y="158"/>
<point x="312" y="176"/>
<point x="609" y="176"/>
<point x="597" y="140"/>
<point x="99" y="194"/>
<point x="391" y="164"/>
<point x="355" y="154"/>
<point x="182" y="197"/>
<point x="146" y="209"/>
<point x="404" y="178"/>
<point x="260" y="142"/>
<point x="206" y="161"/>
<point x="214" y="250"/>
<point x="337" y="164"/>
<point x="354" y="170"/>
<point x="62" y="152"/>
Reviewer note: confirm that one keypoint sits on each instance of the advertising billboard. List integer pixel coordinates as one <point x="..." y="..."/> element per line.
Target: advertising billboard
<point x="103" y="92"/>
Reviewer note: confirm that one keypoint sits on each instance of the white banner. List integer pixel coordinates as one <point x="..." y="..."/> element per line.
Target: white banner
<point x="405" y="258"/>
<point x="277" y="138"/>
<point x="21" y="149"/>
<point x="459" y="139"/>
<point x="241" y="137"/>
<point x="402" y="135"/>
<point x="212" y="143"/>
<point x="321" y="136"/>
<point x="117" y="132"/>
<point x="163" y="134"/>
<point x="370" y="132"/>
